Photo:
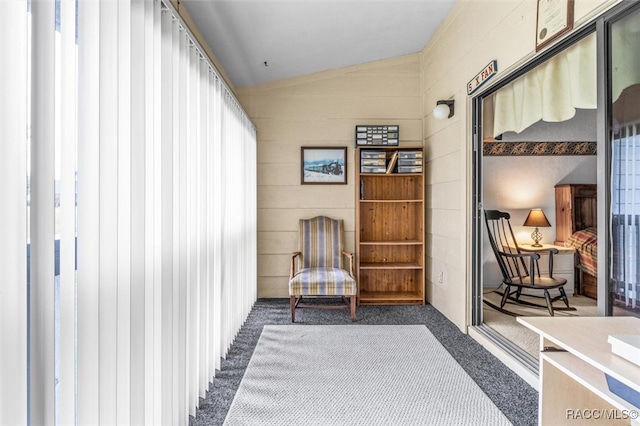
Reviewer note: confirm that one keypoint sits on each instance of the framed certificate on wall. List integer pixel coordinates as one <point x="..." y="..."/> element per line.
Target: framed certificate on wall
<point x="555" y="17"/>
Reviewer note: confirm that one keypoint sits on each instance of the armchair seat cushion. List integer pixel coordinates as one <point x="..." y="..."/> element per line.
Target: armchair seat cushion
<point x="322" y="282"/>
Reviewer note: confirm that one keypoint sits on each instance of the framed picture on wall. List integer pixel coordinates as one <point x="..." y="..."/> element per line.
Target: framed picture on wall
<point x="323" y="165"/>
<point x="555" y="17"/>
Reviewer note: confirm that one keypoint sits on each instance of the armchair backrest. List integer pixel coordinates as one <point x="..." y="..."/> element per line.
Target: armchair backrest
<point x="503" y="244"/>
<point x="320" y="241"/>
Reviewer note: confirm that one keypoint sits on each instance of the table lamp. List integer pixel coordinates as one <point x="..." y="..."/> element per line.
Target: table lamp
<point x="536" y="218"/>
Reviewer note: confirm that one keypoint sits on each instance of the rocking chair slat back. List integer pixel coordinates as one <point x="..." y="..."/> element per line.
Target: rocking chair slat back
<point x="503" y="244"/>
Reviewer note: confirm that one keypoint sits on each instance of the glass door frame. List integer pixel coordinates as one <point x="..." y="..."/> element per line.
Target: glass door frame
<point x="605" y="150"/>
<point x="602" y="27"/>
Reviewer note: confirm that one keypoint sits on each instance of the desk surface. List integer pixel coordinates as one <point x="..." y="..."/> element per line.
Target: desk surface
<point x="586" y="338"/>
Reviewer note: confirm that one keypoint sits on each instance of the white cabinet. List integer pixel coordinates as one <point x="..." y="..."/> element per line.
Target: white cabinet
<point x="575" y="361"/>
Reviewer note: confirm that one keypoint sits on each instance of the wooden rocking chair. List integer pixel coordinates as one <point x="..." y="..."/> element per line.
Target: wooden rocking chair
<point x="521" y="270"/>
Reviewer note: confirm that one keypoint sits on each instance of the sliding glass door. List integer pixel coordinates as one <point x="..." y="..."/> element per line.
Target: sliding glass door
<point x="624" y="72"/>
<point x="604" y="277"/>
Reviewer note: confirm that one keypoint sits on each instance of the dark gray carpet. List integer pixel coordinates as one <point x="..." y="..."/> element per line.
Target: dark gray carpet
<point x="513" y="396"/>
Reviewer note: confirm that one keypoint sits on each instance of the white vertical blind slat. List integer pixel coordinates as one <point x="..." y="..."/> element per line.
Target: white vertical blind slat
<point x="230" y="202"/>
<point x="13" y="221"/>
<point x="138" y="363"/>
<point x="108" y="211"/>
<point x="165" y="179"/>
<point x="162" y="386"/>
<point x="209" y="333"/>
<point x="178" y="310"/>
<point x="181" y="59"/>
<point x="182" y="116"/>
<point x="208" y="165"/>
<point x="153" y="384"/>
<point x="192" y="249"/>
<point x="224" y="319"/>
<point x="216" y="141"/>
<point x="42" y="261"/>
<point x="633" y="138"/>
<point x="88" y="213"/>
<point x="203" y="233"/>
<point x="124" y="213"/>
<point x="213" y="333"/>
<point x="67" y="212"/>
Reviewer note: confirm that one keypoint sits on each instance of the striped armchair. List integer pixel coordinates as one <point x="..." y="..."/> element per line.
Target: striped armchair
<point x="317" y="269"/>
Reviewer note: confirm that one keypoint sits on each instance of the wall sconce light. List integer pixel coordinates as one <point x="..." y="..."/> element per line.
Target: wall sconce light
<point x="536" y="218"/>
<point x="443" y="109"/>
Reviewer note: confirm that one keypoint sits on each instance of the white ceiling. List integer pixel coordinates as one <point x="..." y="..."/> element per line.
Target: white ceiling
<point x="298" y="37"/>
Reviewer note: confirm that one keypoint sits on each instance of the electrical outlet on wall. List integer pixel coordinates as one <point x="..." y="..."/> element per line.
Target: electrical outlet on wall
<point x="441" y="277"/>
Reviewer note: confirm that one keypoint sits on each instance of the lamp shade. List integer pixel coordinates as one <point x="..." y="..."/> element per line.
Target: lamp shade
<point x="536" y="218"/>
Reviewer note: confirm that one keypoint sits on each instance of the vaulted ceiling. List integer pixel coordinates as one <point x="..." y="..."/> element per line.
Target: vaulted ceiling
<point x="264" y="40"/>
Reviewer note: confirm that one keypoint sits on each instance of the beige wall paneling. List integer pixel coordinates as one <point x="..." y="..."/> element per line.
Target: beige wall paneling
<point x="286" y="220"/>
<point x="331" y="128"/>
<point x="320" y="109"/>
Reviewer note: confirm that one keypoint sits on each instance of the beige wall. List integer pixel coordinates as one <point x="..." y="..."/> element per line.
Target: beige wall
<point x="320" y="110"/>
<point x="474" y="34"/>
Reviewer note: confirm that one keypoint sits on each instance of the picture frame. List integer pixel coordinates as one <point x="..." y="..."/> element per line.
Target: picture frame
<point x="554" y="18"/>
<point x="326" y="165"/>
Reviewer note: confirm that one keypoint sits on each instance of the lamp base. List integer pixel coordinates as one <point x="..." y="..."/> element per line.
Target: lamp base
<point x="536" y="236"/>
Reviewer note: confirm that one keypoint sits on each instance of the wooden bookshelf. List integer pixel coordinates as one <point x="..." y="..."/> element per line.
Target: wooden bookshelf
<point x="390" y="225"/>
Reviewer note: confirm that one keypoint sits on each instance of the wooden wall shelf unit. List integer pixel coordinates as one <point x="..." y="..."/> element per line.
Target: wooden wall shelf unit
<point x="390" y="225"/>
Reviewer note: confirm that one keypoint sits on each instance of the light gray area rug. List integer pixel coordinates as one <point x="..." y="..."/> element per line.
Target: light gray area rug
<point x="357" y="375"/>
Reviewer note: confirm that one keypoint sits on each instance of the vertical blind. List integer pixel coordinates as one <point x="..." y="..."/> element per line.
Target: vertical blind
<point x="128" y="174"/>
<point x="13" y="214"/>
<point x="625" y="220"/>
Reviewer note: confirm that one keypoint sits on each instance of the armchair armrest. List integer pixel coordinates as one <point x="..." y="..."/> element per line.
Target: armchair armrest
<point x="351" y="268"/>
<point x="293" y="263"/>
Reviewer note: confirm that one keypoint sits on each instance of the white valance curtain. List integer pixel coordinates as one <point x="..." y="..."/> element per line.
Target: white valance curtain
<point x="128" y="174"/>
<point x="550" y="92"/>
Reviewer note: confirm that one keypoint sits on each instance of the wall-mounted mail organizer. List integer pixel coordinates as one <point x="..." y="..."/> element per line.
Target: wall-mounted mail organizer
<point x="377" y="135"/>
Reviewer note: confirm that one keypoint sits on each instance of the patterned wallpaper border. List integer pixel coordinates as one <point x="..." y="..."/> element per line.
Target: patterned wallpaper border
<point x="539" y="148"/>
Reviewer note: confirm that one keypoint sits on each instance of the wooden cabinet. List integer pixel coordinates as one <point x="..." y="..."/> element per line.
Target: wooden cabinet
<point x="576" y="207"/>
<point x="390" y="225"/>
